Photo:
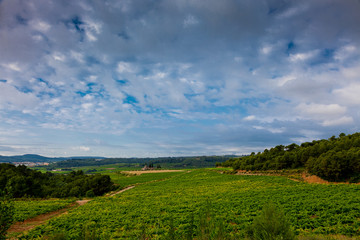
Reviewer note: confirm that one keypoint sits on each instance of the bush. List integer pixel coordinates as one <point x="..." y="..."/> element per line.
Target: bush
<point x="6" y="215"/>
<point x="270" y="225"/>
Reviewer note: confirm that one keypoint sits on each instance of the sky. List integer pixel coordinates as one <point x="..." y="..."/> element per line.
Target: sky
<point x="149" y="78"/>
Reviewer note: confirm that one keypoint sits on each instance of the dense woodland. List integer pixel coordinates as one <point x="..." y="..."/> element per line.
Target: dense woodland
<point x="21" y="181"/>
<point x="334" y="159"/>
<point x="176" y="162"/>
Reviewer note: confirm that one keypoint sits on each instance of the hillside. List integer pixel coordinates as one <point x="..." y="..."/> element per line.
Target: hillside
<point x="333" y="159"/>
<point x="175" y="162"/>
<point x="38" y="158"/>
<point x="28" y="158"/>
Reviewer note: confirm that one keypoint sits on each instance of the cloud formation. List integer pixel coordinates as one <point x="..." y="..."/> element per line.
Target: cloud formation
<point x="159" y="78"/>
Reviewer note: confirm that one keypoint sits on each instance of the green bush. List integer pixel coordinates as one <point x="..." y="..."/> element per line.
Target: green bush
<point x="6" y="215"/>
<point x="271" y="224"/>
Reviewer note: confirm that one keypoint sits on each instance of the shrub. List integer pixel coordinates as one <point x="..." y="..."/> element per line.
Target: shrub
<point x="6" y="215"/>
<point x="271" y="224"/>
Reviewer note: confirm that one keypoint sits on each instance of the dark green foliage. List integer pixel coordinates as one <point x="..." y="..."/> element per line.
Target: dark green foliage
<point x="335" y="159"/>
<point x="24" y="182"/>
<point x="6" y="214"/>
<point x="171" y="232"/>
<point x="58" y="236"/>
<point x="176" y="162"/>
<point x="270" y="225"/>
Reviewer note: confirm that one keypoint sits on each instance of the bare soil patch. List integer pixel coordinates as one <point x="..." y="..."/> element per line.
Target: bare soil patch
<point x="150" y="171"/>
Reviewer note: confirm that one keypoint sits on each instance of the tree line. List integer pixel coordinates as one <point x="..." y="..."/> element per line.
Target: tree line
<point x="21" y="181"/>
<point x="176" y="162"/>
<point x="333" y="159"/>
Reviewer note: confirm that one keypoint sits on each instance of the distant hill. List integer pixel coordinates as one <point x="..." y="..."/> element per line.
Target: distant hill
<point x="38" y="158"/>
<point x="175" y="162"/>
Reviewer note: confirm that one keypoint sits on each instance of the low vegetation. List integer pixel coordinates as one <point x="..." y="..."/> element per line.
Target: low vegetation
<point x="334" y="159"/>
<point x="197" y="204"/>
<point x="191" y="204"/>
<point x="28" y="208"/>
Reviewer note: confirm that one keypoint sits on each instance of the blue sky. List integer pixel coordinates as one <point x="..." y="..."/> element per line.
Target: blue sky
<point x="130" y="78"/>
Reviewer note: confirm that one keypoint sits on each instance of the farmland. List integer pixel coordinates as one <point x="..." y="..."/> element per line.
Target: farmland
<point x="27" y="208"/>
<point x="175" y="206"/>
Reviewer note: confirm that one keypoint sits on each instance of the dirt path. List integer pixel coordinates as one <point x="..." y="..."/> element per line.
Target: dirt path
<point x="139" y="172"/>
<point x="121" y="191"/>
<point x="29" y="224"/>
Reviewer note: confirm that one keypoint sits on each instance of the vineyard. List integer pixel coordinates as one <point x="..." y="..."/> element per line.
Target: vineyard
<point x="25" y="209"/>
<point x="174" y="208"/>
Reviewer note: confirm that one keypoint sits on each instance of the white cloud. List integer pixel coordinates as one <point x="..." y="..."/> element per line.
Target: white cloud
<point x="59" y="56"/>
<point x="40" y="26"/>
<point x="125" y="67"/>
<point x="328" y="115"/>
<point x="270" y="129"/>
<point x="321" y="111"/>
<point x="242" y="59"/>
<point x="11" y="98"/>
<point x="285" y="79"/>
<point x="81" y="148"/>
<point x="346" y="52"/>
<point x="190" y="20"/>
<point x="302" y="56"/>
<point x="250" y="118"/>
<point x="345" y="120"/>
<point x="266" y="50"/>
<point x="12" y="66"/>
<point x="77" y="56"/>
<point x="349" y="95"/>
<point x="352" y="73"/>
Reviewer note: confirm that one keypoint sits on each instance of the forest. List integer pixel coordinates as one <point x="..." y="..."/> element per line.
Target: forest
<point x="20" y="181"/>
<point x="175" y="162"/>
<point x="333" y="159"/>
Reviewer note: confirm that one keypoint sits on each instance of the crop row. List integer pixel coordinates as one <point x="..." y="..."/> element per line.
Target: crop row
<point x="153" y="210"/>
<point x="26" y="208"/>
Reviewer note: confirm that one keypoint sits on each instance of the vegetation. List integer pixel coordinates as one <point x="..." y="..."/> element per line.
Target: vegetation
<point x="6" y="214"/>
<point x="271" y="224"/>
<point x="201" y="203"/>
<point x="124" y="179"/>
<point x="173" y="162"/>
<point x="335" y="159"/>
<point x="29" y="208"/>
<point x="21" y="181"/>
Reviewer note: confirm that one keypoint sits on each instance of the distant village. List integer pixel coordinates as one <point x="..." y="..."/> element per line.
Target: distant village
<point x="31" y="164"/>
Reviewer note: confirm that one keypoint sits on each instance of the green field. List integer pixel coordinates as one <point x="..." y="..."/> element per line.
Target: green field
<point x="124" y="180"/>
<point x="174" y="207"/>
<point x="28" y="208"/>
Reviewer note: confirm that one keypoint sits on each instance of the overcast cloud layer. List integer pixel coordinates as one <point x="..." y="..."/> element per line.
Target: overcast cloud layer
<point x="182" y="77"/>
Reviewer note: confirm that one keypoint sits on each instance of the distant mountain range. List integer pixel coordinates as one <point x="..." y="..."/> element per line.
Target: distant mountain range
<point x="39" y="158"/>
